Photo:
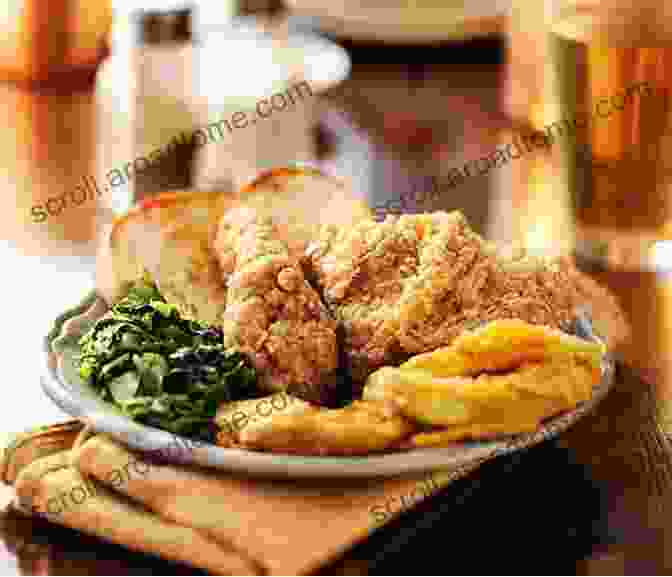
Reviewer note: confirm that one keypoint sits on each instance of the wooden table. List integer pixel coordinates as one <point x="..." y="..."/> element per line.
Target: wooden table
<point x="597" y="499"/>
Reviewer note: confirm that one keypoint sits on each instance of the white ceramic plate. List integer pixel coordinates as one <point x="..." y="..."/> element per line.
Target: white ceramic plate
<point x="62" y="384"/>
<point x="419" y="22"/>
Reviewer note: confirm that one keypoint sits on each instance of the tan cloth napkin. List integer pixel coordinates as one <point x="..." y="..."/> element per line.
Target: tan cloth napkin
<point x="211" y="519"/>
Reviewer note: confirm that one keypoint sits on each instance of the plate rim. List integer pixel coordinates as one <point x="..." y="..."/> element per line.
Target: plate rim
<point x="281" y="466"/>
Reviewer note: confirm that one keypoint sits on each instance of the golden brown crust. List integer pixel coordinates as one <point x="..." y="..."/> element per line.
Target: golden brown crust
<point x="273" y="314"/>
<point x="361" y="428"/>
<point x="413" y="283"/>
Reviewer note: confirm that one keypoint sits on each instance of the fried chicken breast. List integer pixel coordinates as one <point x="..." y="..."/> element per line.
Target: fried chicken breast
<point x="362" y="272"/>
<point x="272" y="313"/>
<point x="464" y="281"/>
<point x="412" y="283"/>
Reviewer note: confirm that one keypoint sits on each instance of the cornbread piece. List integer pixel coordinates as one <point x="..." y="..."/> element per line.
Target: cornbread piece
<point x="252" y="414"/>
<point x="359" y="429"/>
<point x="501" y="379"/>
<point x="503" y="345"/>
<point x="273" y="315"/>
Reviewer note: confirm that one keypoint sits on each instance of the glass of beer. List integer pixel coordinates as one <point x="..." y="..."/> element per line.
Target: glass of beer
<point x="614" y="69"/>
<point x="620" y="94"/>
<point x="594" y="77"/>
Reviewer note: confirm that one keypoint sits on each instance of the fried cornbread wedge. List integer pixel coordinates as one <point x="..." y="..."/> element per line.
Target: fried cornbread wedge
<point x="253" y="414"/>
<point x="502" y="345"/>
<point x="359" y="429"/>
<point x="273" y="315"/>
<point x="487" y="398"/>
<point x="472" y="431"/>
<point x="504" y="377"/>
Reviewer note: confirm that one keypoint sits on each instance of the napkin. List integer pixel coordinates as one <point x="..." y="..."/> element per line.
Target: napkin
<point x="217" y="521"/>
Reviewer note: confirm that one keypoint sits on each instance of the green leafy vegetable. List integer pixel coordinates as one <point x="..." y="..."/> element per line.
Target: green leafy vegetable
<point x="161" y="369"/>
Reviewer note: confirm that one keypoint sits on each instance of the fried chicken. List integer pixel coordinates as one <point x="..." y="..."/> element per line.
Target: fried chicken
<point x="362" y="272"/>
<point x="412" y="283"/>
<point x="607" y="315"/>
<point x="272" y="313"/>
<point x="461" y="286"/>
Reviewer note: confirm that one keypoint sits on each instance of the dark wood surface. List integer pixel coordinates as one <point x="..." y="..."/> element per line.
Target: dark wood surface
<point x="598" y="499"/>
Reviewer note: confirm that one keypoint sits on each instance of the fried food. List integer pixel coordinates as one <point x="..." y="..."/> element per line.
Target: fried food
<point x="601" y="305"/>
<point x="170" y="235"/>
<point x="486" y="398"/>
<point x="464" y="281"/>
<point x="363" y="272"/>
<point x="413" y="283"/>
<point x="502" y="345"/>
<point x="272" y="313"/>
<point x="361" y="428"/>
<point x="548" y="373"/>
<point x="254" y="414"/>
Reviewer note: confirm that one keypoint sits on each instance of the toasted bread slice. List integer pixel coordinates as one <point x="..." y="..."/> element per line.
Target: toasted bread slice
<point x="170" y="236"/>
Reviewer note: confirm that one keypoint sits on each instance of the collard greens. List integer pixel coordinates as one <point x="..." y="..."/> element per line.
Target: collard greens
<point x="160" y="369"/>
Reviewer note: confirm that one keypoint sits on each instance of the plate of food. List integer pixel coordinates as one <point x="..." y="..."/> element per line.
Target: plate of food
<point x="283" y="330"/>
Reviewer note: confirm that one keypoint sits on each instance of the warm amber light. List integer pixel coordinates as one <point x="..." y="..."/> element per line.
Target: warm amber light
<point x="25" y="37"/>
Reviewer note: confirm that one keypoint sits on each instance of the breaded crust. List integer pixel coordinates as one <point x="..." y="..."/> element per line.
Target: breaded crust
<point x="465" y="286"/>
<point x="412" y="283"/>
<point x="362" y="272"/>
<point x="369" y="272"/>
<point x="273" y="315"/>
